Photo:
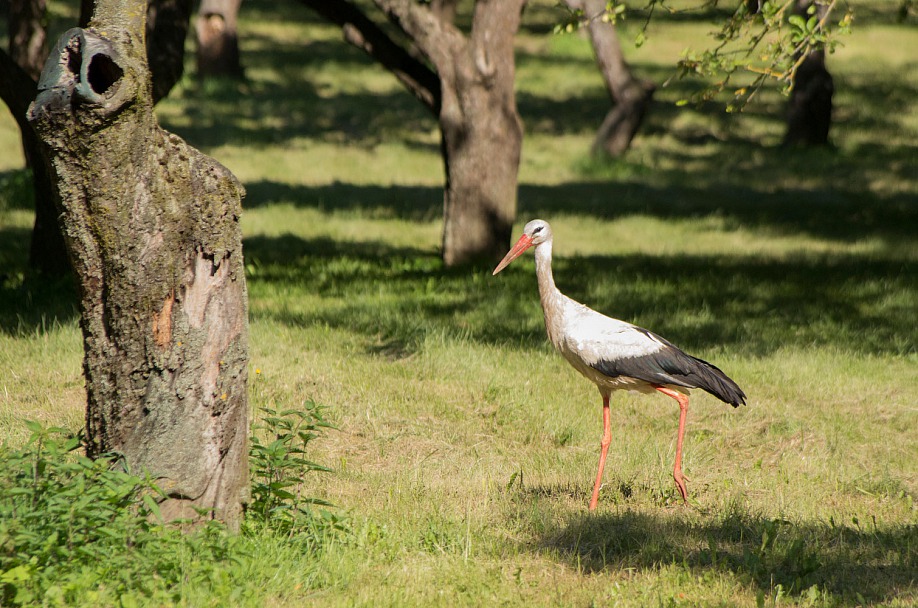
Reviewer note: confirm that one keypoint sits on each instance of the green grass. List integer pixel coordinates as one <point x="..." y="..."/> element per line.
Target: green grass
<point x="465" y="448"/>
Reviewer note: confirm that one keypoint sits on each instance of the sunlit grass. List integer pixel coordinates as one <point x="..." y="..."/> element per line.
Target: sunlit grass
<point x="465" y="447"/>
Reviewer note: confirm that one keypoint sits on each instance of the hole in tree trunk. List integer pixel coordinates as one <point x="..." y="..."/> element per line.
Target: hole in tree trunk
<point x="103" y="73"/>
<point x="74" y="60"/>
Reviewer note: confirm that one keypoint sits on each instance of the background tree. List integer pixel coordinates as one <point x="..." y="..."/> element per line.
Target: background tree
<point x="19" y="72"/>
<point x="631" y="97"/>
<point x="218" y="39"/>
<point x="809" y="110"/>
<point x="786" y="41"/>
<point x="467" y="81"/>
<point x="27" y="34"/>
<point x="167" y="27"/>
<point x="152" y="230"/>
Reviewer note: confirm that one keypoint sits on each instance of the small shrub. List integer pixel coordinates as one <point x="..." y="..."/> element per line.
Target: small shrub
<point x="278" y="463"/>
<point x="69" y="524"/>
<point x="82" y="532"/>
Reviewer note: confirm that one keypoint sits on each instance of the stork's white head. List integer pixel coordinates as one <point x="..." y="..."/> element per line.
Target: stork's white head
<point x="535" y="233"/>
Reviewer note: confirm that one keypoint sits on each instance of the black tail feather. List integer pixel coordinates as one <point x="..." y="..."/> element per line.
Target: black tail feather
<point x="671" y="366"/>
<point x="711" y="379"/>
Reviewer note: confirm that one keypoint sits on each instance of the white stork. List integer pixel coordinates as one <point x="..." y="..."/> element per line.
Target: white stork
<point x="617" y="355"/>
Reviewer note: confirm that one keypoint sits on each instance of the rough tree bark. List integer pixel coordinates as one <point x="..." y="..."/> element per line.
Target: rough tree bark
<point x="631" y="97"/>
<point x="152" y="229"/>
<point x="167" y="28"/>
<point x="470" y="90"/>
<point x="218" y="41"/>
<point x="809" y="111"/>
<point x="445" y="10"/>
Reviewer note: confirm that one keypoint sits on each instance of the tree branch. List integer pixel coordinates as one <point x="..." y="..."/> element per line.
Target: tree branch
<point x="360" y="31"/>
<point x="435" y="38"/>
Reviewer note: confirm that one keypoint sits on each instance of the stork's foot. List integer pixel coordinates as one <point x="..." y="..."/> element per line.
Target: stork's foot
<point x="680" y="480"/>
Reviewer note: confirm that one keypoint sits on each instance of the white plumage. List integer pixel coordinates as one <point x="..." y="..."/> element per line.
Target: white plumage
<point x="614" y="354"/>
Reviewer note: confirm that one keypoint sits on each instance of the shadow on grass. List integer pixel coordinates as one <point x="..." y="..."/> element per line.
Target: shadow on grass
<point x="853" y="565"/>
<point x="399" y="297"/>
<point x="35" y="303"/>
<point x="835" y="214"/>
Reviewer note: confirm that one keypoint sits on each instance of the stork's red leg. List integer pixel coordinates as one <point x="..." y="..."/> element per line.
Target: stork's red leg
<point x="683" y="410"/>
<point x="606" y="440"/>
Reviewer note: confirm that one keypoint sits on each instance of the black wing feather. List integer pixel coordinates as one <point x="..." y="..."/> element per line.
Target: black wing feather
<point x="670" y="365"/>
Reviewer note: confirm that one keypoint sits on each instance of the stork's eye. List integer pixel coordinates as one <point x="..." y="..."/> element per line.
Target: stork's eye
<point x="537" y="230"/>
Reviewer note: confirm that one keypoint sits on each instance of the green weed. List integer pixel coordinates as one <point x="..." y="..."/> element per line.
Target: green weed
<point x="81" y="532"/>
<point x="279" y="468"/>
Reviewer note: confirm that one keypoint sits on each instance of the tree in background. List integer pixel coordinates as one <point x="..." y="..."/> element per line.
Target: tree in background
<point x="27" y="35"/>
<point x="631" y="97"/>
<point x="218" y="39"/>
<point x="152" y="230"/>
<point x="809" y="111"/>
<point x="466" y="79"/>
<point x="167" y="27"/>
<point x="785" y="41"/>
<point x="19" y="71"/>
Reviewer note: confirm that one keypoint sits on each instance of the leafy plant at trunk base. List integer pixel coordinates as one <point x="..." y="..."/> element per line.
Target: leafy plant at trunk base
<point x="277" y="457"/>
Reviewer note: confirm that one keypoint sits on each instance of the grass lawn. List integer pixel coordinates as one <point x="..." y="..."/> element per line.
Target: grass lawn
<point x="465" y="448"/>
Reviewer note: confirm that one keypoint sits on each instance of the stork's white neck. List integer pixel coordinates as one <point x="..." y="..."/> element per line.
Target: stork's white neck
<point x="548" y="293"/>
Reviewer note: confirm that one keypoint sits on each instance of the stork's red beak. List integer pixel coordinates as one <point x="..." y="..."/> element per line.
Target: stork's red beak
<point x="522" y="245"/>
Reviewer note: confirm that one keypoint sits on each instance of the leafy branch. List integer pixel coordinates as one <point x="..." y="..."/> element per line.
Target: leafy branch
<point x="767" y="39"/>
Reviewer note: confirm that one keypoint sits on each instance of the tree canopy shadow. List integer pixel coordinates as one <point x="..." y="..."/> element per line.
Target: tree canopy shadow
<point x="862" y="563"/>
<point x="739" y="303"/>
<point x="829" y="213"/>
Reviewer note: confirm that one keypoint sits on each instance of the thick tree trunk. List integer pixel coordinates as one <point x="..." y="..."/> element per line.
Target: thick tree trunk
<point x="809" y="111"/>
<point x="152" y="229"/>
<point x="470" y="90"/>
<point x="218" y="41"/>
<point x="630" y="96"/>
<point x="481" y="130"/>
<point x="482" y="137"/>
<point x="166" y="31"/>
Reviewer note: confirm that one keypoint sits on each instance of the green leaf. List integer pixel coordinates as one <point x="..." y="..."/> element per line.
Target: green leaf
<point x="153" y="506"/>
<point x="18" y="574"/>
